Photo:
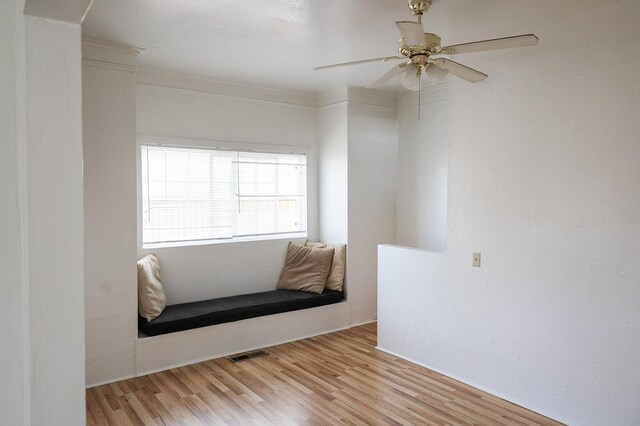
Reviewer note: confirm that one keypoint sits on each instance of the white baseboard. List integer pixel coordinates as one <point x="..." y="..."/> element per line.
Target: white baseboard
<point x="106" y="382"/>
<point x="451" y="376"/>
<point x="363" y="323"/>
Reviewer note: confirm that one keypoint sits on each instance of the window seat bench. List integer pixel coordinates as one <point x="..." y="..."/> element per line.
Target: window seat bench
<point x="192" y="315"/>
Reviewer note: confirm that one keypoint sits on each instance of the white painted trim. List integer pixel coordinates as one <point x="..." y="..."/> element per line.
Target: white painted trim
<point x="108" y="65"/>
<point x="382" y="98"/>
<point x="217" y="143"/>
<point x="399" y="247"/>
<point x="109" y="55"/>
<point x="163" y="78"/>
<point x="248" y="349"/>
<point x="106" y="382"/>
<point x="451" y="376"/>
<point x="110" y="45"/>
<point x="358" y="95"/>
<point x="21" y="151"/>
<point x="358" y="324"/>
<point x="176" y="80"/>
<point x="332" y="97"/>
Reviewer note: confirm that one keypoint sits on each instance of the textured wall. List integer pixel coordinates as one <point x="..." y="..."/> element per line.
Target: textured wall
<point x="422" y="169"/>
<point x="543" y="180"/>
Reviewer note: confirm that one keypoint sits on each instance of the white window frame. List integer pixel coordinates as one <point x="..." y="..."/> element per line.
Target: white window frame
<point x="225" y="145"/>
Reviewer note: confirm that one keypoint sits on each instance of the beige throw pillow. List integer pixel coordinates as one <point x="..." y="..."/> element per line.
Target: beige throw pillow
<point x="314" y="244"/>
<point x="335" y="281"/>
<point x="305" y="268"/>
<point x="151" y="297"/>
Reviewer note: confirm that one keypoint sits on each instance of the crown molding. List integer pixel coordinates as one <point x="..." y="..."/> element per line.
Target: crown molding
<point x="430" y="95"/>
<point x="332" y="96"/>
<point x="110" y="45"/>
<point x="109" y="55"/>
<point x="374" y="97"/>
<point x="358" y="95"/>
<point x="156" y="77"/>
<point x="108" y="66"/>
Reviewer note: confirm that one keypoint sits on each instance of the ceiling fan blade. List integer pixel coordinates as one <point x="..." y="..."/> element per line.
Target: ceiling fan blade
<point x="495" y="44"/>
<point x="412" y="32"/>
<point x="460" y="70"/>
<point x="388" y="75"/>
<point x="364" y="61"/>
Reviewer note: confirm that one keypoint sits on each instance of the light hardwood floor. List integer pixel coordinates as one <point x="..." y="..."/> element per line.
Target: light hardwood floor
<point x="338" y="378"/>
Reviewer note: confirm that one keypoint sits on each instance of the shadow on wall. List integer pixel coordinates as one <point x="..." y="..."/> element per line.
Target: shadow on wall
<point x="422" y="169"/>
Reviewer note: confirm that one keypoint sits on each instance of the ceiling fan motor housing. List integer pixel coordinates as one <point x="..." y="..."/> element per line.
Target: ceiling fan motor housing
<point x="432" y="42"/>
<point x="430" y="46"/>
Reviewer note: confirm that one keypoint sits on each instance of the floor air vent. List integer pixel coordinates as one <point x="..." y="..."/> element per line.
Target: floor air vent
<point x="247" y="356"/>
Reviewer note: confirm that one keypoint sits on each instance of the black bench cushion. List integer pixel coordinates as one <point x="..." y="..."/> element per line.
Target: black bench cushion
<point x="186" y="316"/>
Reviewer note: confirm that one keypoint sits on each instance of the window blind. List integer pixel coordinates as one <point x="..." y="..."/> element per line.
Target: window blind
<point x="193" y="194"/>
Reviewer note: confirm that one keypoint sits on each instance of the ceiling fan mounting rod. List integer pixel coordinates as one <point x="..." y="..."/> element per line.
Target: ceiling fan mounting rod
<point x="419" y="7"/>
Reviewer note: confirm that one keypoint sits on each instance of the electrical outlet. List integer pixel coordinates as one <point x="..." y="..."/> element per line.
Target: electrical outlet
<point x="476" y="260"/>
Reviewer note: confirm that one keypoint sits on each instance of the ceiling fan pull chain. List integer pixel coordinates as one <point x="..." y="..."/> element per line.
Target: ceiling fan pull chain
<point x="419" y="95"/>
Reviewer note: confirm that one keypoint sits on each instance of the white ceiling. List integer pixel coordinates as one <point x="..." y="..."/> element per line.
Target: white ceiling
<point x="272" y="43"/>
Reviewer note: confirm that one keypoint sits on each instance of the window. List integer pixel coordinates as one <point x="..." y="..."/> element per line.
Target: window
<point x="195" y="194"/>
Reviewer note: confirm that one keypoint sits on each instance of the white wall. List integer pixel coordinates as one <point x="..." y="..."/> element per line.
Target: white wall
<point x="218" y="270"/>
<point x="372" y="166"/>
<point x="42" y="356"/>
<point x="14" y="404"/>
<point x="55" y="221"/>
<point x="332" y="172"/>
<point x="543" y="180"/>
<point x="422" y="171"/>
<point x="109" y="123"/>
<point x="358" y="139"/>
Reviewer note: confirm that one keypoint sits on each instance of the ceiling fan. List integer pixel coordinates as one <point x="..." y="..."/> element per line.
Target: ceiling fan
<point x="420" y="47"/>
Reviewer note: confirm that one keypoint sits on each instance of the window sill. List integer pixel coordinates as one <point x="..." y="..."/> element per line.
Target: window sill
<point x="226" y="241"/>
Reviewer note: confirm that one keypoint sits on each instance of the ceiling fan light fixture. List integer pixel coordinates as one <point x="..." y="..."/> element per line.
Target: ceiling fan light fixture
<point x="436" y="74"/>
<point x="410" y="77"/>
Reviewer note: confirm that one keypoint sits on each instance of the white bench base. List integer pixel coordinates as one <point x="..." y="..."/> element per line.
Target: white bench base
<point x="159" y="353"/>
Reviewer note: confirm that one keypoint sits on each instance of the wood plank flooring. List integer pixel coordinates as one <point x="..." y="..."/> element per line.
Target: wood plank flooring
<point x="338" y="378"/>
